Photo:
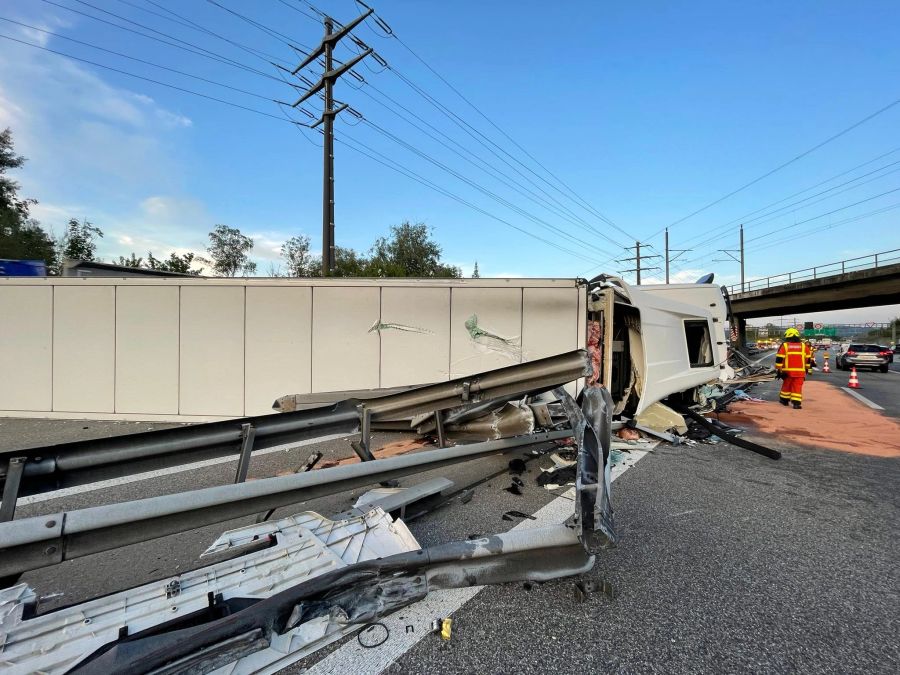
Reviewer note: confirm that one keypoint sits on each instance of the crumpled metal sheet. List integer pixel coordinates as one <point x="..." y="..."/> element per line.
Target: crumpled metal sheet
<point x="661" y="417"/>
<point x="307" y="545"/>
<point x="513" y="419"/>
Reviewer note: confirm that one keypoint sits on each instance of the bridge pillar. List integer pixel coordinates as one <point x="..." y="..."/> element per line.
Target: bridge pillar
<point x="741" y="325"/>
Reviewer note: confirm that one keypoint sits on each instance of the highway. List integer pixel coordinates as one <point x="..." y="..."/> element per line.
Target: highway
<point x="728" y="561"/>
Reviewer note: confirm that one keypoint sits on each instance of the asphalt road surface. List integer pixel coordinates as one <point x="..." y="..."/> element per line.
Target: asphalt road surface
<point x="728" y="562"/>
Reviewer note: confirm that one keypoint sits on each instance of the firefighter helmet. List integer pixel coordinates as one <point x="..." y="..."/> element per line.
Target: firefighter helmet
<point x="791" y="333"/>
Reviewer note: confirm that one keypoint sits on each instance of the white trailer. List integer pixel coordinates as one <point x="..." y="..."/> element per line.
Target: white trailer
<point x="195" y="349"/>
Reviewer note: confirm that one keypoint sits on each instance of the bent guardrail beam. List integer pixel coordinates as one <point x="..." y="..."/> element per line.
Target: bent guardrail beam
<point x="63" y="465"/>
<point x="40" y="541"/>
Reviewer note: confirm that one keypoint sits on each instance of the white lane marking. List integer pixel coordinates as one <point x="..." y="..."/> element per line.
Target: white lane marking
<point x="895" y="372"/>
<point x="103" y="484"/>
<point x="351" y="657"/>
<point x="862" y="399"/>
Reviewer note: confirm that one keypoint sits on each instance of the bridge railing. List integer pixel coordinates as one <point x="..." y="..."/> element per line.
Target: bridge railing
<point x="870" y="261"/>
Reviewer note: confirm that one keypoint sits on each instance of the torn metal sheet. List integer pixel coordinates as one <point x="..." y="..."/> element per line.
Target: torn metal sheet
<point x="513" y="419"/>
<point x="305" y="546"/>
<point x="350" y="597"/>
<point x="661" y="418"/>
<point x="592" y="428"/>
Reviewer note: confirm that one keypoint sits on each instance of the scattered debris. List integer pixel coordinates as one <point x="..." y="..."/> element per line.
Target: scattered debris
<point x="585" y="588"/>
<point x="517" y="465"/>
<point x="628" y="434"/>
<point x="509" y="515"/>
<point x="514" y="489"/>
<point x="375" y="634"/>
<point x="466" y="496"/>
<point x="661" y="418"/>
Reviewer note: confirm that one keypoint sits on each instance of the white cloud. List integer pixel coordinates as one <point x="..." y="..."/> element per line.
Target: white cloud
<point x="84" y="137"/>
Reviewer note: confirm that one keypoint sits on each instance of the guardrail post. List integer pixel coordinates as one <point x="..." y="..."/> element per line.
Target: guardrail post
<point x="248" y="435"/>
<point x="362" y="447"/>
<point x="789" y="277"/>
<point x="11" y="488"/>
<point x="814" y="276"/>
<point x="439" y="424"/>
<point x="876" y="260"/>
<point x="843" y="271"/>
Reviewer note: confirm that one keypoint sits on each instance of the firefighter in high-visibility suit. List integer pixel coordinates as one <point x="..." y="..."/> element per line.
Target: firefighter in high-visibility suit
<point x="792" y="362"/>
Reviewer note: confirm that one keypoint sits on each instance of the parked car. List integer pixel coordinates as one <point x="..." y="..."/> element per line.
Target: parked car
<point x="863" y="356"/>
<point x="890" y="352"/>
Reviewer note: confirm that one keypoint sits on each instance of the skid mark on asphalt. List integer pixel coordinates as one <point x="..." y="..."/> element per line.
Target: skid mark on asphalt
<point x="353" y="658"/>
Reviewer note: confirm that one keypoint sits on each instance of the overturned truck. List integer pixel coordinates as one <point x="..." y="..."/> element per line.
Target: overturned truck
<point x="290" y="584"/>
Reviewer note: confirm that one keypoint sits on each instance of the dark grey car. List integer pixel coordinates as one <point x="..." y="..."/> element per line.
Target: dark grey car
<point x="863" y="356"/>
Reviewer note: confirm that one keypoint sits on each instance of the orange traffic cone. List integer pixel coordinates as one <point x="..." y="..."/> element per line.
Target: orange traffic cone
<point x="825" y="368"/>
<point x="854" y="380"/>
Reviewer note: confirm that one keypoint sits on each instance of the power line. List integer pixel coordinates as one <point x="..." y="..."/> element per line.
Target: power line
<point x="289" y="41"/>
<point x="475" y="134"/>
<point x="194" y="49"/>
<point x="783" y="165"/>
<point x="774" y="215"/>
<point x="428" y="97"/>
<point x="846" y="221"/>
<point x="802" y="222"/>
<point x="822" y="215"/>
<point x="472" y="158"/>
<point x="584" y="204"/>
<point x="146" y="79"/>
<point x="385" y="161"/>
<point x="188" y="23"/>
<point x="744" y="218"/>
<point x="134" y="58"/>
<point x="480" y="188"/>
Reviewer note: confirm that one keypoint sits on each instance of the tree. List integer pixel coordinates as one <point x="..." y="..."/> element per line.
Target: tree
<point x="229" y="250"/>
<point x="133" y="261"/>
<point x="180" y="264"/>
<point x="79" y="241"/>
<point x="408" y="252"/>
<point x="349" y="263"/>
<point x="475" y="273"/>
<point x="21" y="237"/>
<point x="297" y="258"/>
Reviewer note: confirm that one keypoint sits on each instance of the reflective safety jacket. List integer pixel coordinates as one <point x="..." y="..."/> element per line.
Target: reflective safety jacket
<point x="794" y="358"/>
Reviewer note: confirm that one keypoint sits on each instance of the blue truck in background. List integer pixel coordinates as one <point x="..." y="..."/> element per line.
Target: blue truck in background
<point x="22" y="268"/>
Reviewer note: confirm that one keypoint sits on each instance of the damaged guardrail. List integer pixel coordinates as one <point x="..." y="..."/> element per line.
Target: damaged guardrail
<point x="39" y="541"/>
<point x="277" y="624"/>
<point x="42" y="469"/>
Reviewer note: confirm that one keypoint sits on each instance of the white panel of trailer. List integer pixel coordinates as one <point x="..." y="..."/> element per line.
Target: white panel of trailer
<point x="345" y="348"/>
<point x="212" y="350"/>
<point x="415" y="335"/>
<point x="485" y="330"/>
<point x="279" y="345"/>
<point x="26" y="348"/>
<point x="84" y="344"/>
<point x="147" y="350"/>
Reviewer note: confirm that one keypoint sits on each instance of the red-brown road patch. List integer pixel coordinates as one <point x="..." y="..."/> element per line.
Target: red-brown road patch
<point x="829" y="419"/>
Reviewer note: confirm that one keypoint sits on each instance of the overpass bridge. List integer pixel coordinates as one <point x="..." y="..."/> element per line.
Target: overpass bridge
<point x="866" y="281"/>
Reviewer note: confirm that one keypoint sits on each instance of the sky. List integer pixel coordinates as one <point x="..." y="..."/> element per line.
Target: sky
<point x="586" y="126"/>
